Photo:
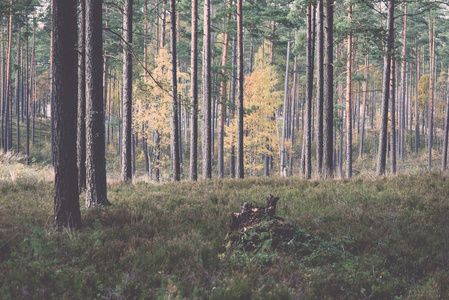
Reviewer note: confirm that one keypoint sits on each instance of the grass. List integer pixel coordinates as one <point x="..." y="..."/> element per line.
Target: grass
<point x="388" y="238"/>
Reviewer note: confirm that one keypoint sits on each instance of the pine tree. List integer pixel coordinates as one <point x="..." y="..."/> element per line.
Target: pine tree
<point x="126" y="172"/>
<point x="95" y="132"/>
<point x="66" y="201"/>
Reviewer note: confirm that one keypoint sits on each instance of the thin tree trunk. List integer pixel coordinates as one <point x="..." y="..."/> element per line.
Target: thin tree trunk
<point x="320" y="87"/>
<point x="349" y="103"/>
<point x="126" y="168"/>
<point x="206" y="105"/>
<point x="17" y="90"/>
<point x="8" y="119"/>
<point x="293" y="113"/>
<point x="431" y="91"/>
<point x="175" y="107"/>
<point x="33" y="85"/>
<point x="2" y="87"/>
<point x="328" y="93"/>
<point x="446" y="126"/>
<point x="393" y="117"/>
<point x="418" y="69"/>
<point x="309" y="90"/>
<point x="403" y="84"/>
<point x="365" y="93"/>
<point x="194" y="94"/>
<point x="284" y="114"/>
<point x="221" y="132"/>
<point x="240" y="152"/>
<point x="27" y="92"/>
<point x="81" y="124"/>
<point x="163" y="25"/>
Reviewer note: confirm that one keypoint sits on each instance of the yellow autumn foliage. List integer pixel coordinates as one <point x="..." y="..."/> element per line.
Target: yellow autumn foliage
<point x="260" y="103"/>
<point x="153" y="103"/>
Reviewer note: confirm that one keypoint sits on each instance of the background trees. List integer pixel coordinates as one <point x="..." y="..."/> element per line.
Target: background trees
<point x="351" y="38"/>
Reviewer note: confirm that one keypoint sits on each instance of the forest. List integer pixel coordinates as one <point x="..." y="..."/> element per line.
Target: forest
<point x="313" y="89"/>
<point x="132" y="129"/>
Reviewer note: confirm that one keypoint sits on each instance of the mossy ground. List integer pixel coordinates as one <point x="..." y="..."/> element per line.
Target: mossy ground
<point x="385" y="238"/>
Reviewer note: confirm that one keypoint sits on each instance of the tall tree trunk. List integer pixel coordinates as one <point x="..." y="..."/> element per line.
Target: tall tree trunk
<point x="285" y="114"/>
<point x="2" y="88"/>
<point x="349" y="103"/>
<point x="309" y="91"/>
<point x="193" y="176"/>
<point x="175" y="107"/>
<point x="81" y="124"/>
<point x="240" y="152"/>
<point x="17" y="90"/>
<point x="95" y="132"/>
<point x="207" y="105"/>
<point x="418" y="69"/>
<point x="403" y="84"/>
<point x="431" y="90"/>
<point x="66" y="200"/>
<point x="27" y="92"/>
<point x="163" y="25"/>
<point x="446" y="126"/>
<point x="293" y="110"/>
<point x="381" y="158"/>
<point x="126" y="168"/>
<point x="393" y="116"/>
<point x="328" y="93"/>
<point x="365" y="93"/>
<point x="8" y="108"/>
<point x="320" y="86"/>
<point x="221" y="132"/>
<point x="33" y="85"/>
<point x="232" y="158"/>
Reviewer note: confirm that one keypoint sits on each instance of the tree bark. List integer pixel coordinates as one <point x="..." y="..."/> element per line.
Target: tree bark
<point x="365" y="93"/>
<point x="293" y="113"/>
<point x="328" y="126"/>
<point x="431" y="91"/>
<point x="382" y="152"/>
<point x="418" y="69"/>
<point x="446" y="126"/>
<point x="95" y="132"/>
<point x="8" y="94"/>
<point x="232" y="104"/>
<point x="207" y="105"/>
<point x="221" y="132"/>
<point x="309" y="91"/>
<point x="393" y="117"/>
<point x="81" y="124"/>
<point x="27" y="92"/>
<point x="320" y="87"/>
<point x="175" y="107"/>
<point x="126" y="167"/>
<point x="285" y="114"/>
<point x="349" y="103"/>
<point x="193" y="176"/>
<point x="240" y="149"/>
<point x="66" y="201"/>
<point x="403" y="84"/>
<point x="17" y="90"/>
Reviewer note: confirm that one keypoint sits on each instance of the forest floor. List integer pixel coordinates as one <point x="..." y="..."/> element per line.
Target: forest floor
<point x="379" y="238"/>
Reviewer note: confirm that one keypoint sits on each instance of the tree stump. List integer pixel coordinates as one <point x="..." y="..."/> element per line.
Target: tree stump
<point x="250" y="215"/>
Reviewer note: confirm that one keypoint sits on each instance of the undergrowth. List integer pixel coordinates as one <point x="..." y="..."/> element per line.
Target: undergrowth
<point x="381" y="238"/>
